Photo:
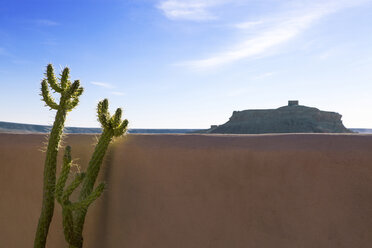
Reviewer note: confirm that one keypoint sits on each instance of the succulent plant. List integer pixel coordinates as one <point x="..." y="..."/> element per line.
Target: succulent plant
<point x="73" y="213"/>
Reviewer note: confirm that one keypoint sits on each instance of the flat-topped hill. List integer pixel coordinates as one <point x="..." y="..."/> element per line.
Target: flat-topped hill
<point x="293" y="118"/>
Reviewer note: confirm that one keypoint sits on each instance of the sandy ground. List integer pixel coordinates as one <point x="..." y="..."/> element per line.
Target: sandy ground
<point x="198" y="191"/>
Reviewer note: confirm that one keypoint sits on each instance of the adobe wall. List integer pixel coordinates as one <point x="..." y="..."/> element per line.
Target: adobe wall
<point x="295" y="190"/>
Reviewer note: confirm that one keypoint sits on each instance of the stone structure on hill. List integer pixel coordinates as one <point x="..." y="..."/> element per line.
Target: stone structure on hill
<point x="293" y="118"/>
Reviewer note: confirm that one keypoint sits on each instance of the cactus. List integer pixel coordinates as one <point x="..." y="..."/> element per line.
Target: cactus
<point x="69" y="98"/>
<point x="74" y="213"/>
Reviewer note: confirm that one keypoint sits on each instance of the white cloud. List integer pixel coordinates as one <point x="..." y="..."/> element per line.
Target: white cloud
<point x="103" y="85"/>
<point x="275" y="32"/>
<point x="196" y="10"/>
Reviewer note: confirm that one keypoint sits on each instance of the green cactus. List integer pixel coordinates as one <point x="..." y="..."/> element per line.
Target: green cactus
<point x="69" y="98"/>
<point x="74" y="212"/>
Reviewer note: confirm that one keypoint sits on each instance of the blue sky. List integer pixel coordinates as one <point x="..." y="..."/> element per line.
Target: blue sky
<point x="188" y="63"/>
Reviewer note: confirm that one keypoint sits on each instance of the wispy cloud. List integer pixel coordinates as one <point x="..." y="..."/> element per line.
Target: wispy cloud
<point x="195" y="10"/>
<point x="103" y="85"/>
<point x="108" y="86"/>
<point x="117" y="93"/>
<point x="46" y="22"/>
<point x="263" y="75"/>
<point x="276" y="31"/>
<point x="248" y="25"/>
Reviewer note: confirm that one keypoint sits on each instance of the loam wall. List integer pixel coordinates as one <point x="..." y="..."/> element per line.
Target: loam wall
<point x="199" y="191"/>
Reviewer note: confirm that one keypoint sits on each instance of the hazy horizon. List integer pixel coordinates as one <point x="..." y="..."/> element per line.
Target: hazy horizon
<point x="188" y="64"/>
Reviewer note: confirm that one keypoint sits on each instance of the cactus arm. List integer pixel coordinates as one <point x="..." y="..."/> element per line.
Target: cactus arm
<point x="52" y="79"/>
<point x="49" y="183"/>
<point x="116" y="118"/>
<point x="74" y="98"/>
<point x="112" y="127"/>
<point x="71" y="104"/>
<point x="103" y="114"/>
<point x="61" y="182"/>
<point x="67" y="222"/>
<point x="74" y="88"/>
<point x="72" y="237"/>
<point x="49" y="179"/>
<point x="85" y="203"/>
<point x="87" y="195"/>
<point x="65" y="83"/>
<point x="109" y="125"/>
<point x="47" y="98"/>
<point x="74" y="184"/>
<point x="63" y="198"/>
<point x="120" y="130"/>
<point x="95" y="163"/>
<point x="91" y="176"/>
<point x="79" y="90"/>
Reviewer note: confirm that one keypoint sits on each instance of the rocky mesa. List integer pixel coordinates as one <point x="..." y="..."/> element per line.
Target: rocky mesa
<point x="293" y="118"/>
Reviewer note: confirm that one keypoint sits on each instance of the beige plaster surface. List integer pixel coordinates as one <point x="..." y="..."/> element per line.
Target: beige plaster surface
<point x="199" y="191"/>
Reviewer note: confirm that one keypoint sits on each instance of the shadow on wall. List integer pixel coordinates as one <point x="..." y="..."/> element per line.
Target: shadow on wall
<point x="295" y="190"/>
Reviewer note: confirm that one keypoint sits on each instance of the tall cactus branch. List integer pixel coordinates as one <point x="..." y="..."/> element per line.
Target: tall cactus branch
<point x="112" y="127"/>
<point x="66" y="91"/>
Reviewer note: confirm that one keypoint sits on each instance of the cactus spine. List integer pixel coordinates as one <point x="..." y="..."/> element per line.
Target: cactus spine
<point x="74" y="212"/>
<point x="69" y="98"/>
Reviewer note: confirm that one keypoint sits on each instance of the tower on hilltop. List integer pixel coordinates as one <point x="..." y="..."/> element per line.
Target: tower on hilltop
<point x="293" y="103"/>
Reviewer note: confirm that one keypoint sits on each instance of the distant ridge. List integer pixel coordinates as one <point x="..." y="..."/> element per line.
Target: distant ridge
<point x="10" y="127"/>
<point x="31" y="128"/>
<point x="361" y="130"/>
